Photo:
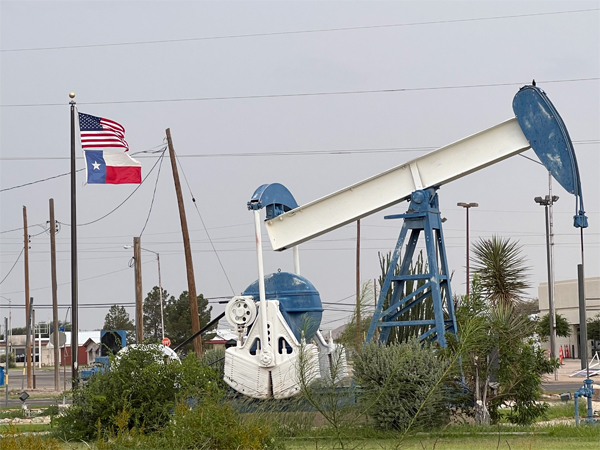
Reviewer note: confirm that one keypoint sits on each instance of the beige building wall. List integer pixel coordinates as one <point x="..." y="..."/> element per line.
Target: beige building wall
<point x="566" y="303"/>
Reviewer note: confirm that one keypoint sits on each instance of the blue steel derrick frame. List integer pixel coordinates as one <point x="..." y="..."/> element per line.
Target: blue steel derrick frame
<point x="423" y="215"/>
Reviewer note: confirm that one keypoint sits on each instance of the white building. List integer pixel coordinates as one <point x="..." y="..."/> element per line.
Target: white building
<point x="566" y="303"/>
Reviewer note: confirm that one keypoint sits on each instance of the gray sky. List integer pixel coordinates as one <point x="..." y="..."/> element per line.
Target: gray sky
<point x="191" y="66"/>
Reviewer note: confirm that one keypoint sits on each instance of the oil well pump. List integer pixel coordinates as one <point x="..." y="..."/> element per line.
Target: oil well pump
<point x="278" y="316"/>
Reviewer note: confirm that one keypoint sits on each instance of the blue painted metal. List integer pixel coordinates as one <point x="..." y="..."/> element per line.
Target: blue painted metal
<point x="586" y="391"/>
<point x="275" y="197"/>
<point x="121" y="335"/>
<point x="299" y="301"/>
<point x="423" y="215"/>
<point x="548" y="136"/>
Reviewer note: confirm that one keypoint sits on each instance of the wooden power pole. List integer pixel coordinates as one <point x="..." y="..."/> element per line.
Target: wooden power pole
<point x="54" y="297"/>
<point x="188" y="251"/>
<point x="27" y="306"/>
<point x="139" y="306"/>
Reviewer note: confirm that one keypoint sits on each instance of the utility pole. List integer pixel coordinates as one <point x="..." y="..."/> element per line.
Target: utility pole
<point x="187" y="249"/>
<point x="27" y="303"/>
<point x="54" y="296"/>
<point x="547" y="203"/>
<point x="358" y="328"/>
<point x="139" y="308"/>
<point x="467" y="206"/>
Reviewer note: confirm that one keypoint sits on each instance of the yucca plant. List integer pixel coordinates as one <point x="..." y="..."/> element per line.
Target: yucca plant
<point x="501" y="269"/>
<point x="422" y="311"/>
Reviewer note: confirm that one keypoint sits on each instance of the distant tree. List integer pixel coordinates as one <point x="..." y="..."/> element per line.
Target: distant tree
<point x="563" y="329"/>
<point x="152" y="322"/>
<point x="593" y="328"/>
<point x="118" y="319"/>
<point x="178" y="320"/>
<point x="501" y="269"/>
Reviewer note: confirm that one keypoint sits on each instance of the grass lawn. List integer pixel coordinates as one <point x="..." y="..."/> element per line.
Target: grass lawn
<point x="512" y="442"/>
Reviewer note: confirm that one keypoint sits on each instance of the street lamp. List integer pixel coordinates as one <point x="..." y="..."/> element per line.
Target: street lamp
<point x="547" y="203"/>
<point x="467" y="206"/>
<point x="162" y="321"/>
<point x="9" y="331"/>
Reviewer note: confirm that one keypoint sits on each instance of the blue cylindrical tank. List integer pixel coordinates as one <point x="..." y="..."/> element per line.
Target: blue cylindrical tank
<point x="299" y="301"/>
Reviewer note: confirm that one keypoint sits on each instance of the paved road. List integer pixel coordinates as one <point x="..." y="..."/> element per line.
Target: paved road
<point x="562" y="386"/>
<point x="44" y="381"/>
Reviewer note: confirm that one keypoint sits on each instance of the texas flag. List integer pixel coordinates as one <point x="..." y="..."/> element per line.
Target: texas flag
<point x="105" y="165"/>
<point x="112" y="167"/>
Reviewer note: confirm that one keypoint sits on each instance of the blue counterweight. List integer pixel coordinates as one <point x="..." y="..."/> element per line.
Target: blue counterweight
<point x="299" y="301"/>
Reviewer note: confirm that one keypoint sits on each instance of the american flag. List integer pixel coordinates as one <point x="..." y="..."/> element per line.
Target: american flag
<point x="99" y="133"/>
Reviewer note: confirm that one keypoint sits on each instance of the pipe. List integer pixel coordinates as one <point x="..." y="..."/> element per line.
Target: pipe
<point x="586" y="391"/>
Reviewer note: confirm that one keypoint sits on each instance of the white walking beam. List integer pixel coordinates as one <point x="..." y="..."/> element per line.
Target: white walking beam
<point x="392" y="186"/>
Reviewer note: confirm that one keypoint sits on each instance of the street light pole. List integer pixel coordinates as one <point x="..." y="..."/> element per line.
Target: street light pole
<point x="547" y="203"/>
<point x="467" y="206"/>
<point x="9" y="330"/>
<point x="162" y="320"/>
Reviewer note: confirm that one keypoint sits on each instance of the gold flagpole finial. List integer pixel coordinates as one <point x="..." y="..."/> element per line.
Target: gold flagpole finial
<point x="72" y="95"/>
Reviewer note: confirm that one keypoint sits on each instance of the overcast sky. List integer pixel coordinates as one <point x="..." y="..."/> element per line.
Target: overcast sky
<point x="398" y="79"/>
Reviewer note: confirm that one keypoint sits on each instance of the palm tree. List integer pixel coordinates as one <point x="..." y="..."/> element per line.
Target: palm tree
<point x="501" y="269"/>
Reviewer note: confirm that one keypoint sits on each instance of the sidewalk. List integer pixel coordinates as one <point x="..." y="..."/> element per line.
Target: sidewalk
<point x="569" y="367"/>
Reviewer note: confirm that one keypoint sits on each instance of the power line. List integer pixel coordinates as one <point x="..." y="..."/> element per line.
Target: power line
<point x="154" y="193"/>
<point x="13" y="266"/>
<point x="306" y="94"/>
<point x="340" y="151"/>
<point x="38" y="181"/>
<point x="258" y="154"/>
<point x="295" y="32"/>
<point x="55" y="176"/>
<point x="203" y="224"/>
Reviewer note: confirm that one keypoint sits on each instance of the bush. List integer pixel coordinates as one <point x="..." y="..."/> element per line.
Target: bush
<point x="139" y="383"/>
<point x="215" y="358"/>
<point x="402" y="385"/>
<point x="11" y="361"/>
<point x="210" y="424"/>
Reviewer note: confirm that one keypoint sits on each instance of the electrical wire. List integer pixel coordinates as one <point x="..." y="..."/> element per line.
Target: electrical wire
<point x="154" y="192"/>
<point x="295" y="32"/>
<point x="13" y="266"/>
<point x="203" y="224"/>
<point x="38" y="181"/>
<point x="282" y="153"/>
<point x="307" y="94"/>
<point x="62" y="174"/>
<point x="10" y="231"/>
<point x="267" y="154"/>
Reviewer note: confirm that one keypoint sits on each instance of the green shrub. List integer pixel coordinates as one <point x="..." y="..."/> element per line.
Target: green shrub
<point x="139" y="383"/>
<point x="402" y="385"/>
<point x="11" y="361"/>
<point x="215" y="358"/>
<point x="210" y="424"/>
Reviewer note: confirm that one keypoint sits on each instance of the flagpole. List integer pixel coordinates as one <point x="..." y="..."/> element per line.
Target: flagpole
<point x="74" y="285"/>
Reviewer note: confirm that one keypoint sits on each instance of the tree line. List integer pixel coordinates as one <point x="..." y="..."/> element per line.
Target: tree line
<point x="176" y="316"/>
